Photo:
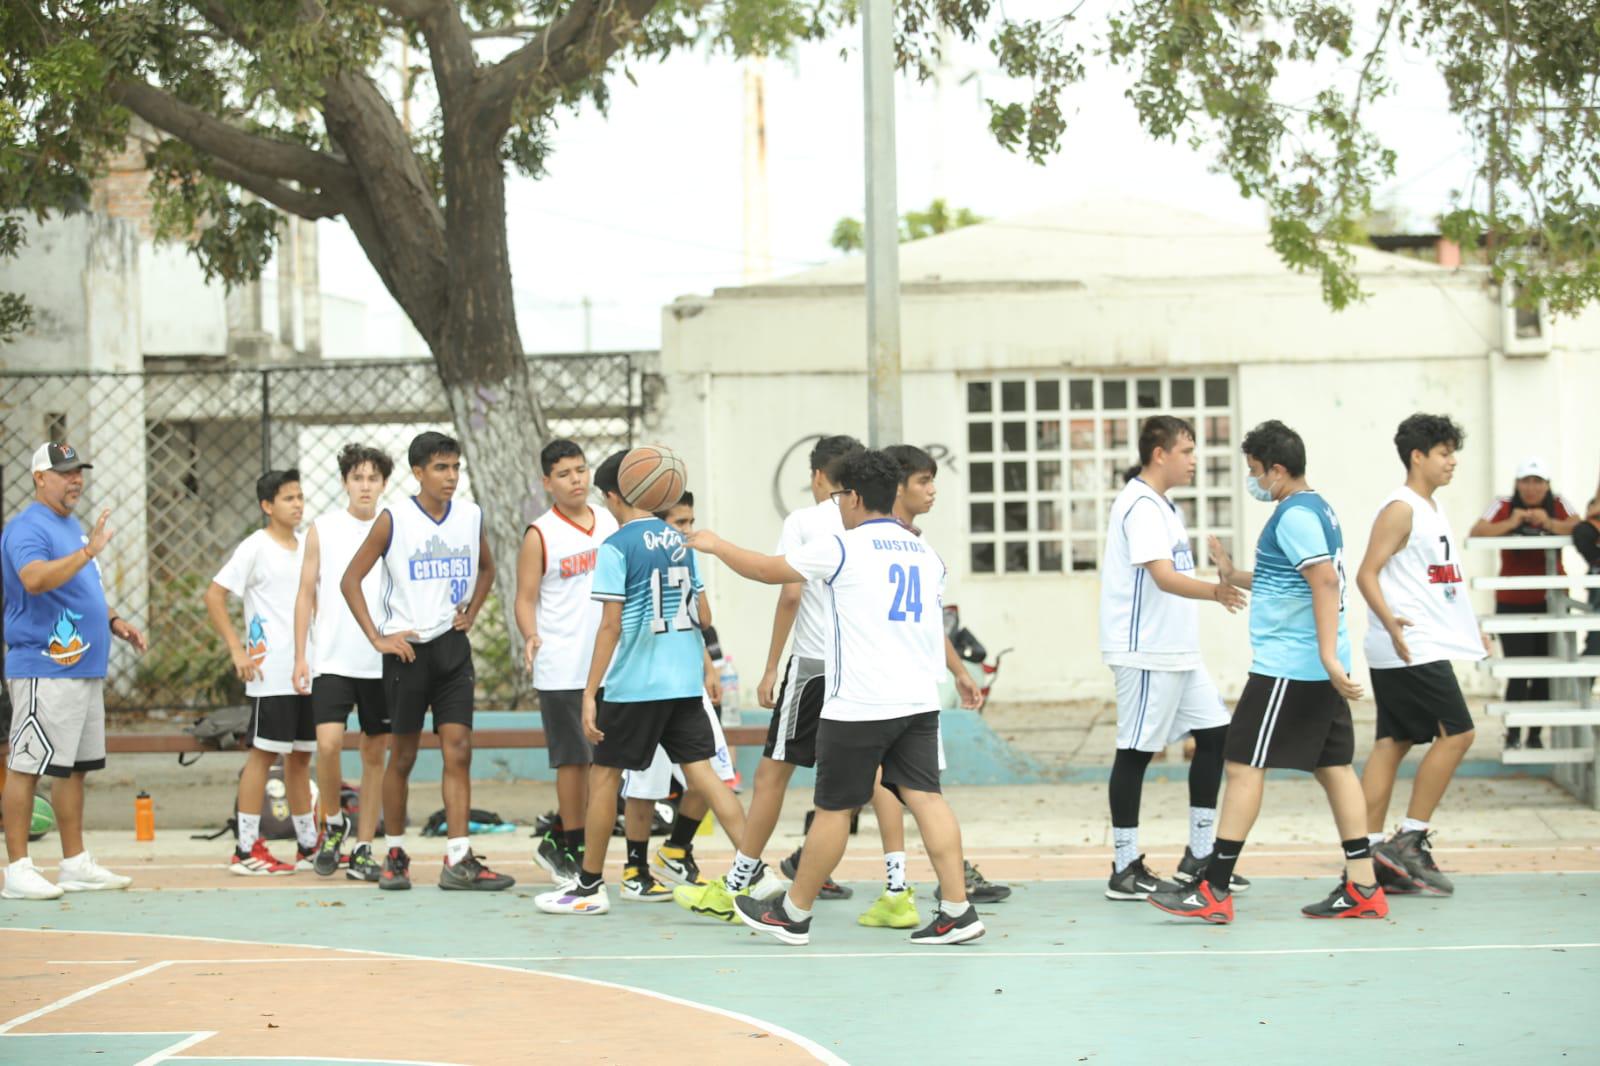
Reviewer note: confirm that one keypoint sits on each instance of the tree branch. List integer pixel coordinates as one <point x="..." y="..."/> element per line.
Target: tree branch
<point x="224" y="141"/>
<point x="295" y="201"/>
<point x="561" y="53"/>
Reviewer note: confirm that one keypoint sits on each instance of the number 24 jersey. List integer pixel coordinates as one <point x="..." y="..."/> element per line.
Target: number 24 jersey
<point x="646" y="567"/>
<point x="886" y="589"/>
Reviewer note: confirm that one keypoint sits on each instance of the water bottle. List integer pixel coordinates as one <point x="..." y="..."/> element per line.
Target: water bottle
<point x="144" y="817"/>
<point x="730" y="690"/>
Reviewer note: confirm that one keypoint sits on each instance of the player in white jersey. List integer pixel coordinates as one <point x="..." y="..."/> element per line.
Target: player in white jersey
<point x="437" y="571"/>
<point x="338" y="667"/>
<point x="558" y="621"/>
<point x="881" y="709"/>
<point x="1420" y="620"/>
<point x="1150" y="637"/>
<point x="264" y="571"/>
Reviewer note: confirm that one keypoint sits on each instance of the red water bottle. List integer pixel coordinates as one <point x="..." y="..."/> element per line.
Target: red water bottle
<point x="144" y="817"/>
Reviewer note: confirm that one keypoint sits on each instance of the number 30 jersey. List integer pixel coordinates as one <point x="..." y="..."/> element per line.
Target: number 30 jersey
<point x="429" y="567"/>
<point x="886" y="592"/>
<point x="646" y="567"/>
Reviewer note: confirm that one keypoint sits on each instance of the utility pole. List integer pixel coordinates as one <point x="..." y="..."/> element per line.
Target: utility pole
<point x="883" y="228"/>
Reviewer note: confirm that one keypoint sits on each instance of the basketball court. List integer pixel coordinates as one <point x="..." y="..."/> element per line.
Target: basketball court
<point x="194" y="966"/>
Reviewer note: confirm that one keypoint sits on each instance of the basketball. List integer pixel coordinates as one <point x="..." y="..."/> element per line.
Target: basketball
<point x="44" y="818"/>
<point x="652" y="477"/>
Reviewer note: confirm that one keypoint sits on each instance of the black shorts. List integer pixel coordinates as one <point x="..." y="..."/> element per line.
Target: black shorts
<point x="561" y="711"/>
<point x="1417" y="703"/>
<point x="633" y="730"/>
<point x="850" y="753"/>
<point x="439" y="678"/>
<point x="792" y="733"/>
<point x="332" y="696"/>
<point x="1290" y="725"/>
<point x="282" y="724"/>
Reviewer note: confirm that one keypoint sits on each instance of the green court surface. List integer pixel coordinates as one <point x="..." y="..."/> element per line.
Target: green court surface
<point x="1508" y="970"/>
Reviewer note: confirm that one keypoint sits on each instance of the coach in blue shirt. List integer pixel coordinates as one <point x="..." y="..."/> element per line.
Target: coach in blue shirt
<point x="58" y="633"/>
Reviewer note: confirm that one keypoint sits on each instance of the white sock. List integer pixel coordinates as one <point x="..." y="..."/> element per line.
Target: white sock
<point x="249" y="831"/>
<point x="1407" y="825"/>
<point x="1374" y="838"/>
<point x="1127" y="845"/>
<point x="894" y="863"/>
<point x="1202" y="831"/>
<point x="744" y="868"/>
<point x="952" y="909"/>
<point x="456" y="848"/>
<point x="335" y="820"/>
<point x="305" y="829"/>
<point x="394" y="842"/>
<point x="795" y="913"/>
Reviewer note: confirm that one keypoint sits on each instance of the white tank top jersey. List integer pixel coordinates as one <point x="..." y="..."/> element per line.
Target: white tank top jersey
<point x="1140" y="625"/>
<point x="1423" y="583"/>
<point x="568" y="618"/>
<point x="813" y="622"/>
<point x="429" y="567"/>
<point x="337" y="644"/>
<point x="886" y="593"/>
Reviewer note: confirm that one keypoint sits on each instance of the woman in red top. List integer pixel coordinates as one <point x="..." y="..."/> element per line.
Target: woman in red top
<point x="1532" y="510"/>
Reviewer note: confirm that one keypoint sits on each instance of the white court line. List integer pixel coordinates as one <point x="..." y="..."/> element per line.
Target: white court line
<point x="811" y="1047"/>
<point x="166" y="1053"/>
<point x="90" y="962"/>
<point x="318" y="1058"/>
<point x="82" y="994"/>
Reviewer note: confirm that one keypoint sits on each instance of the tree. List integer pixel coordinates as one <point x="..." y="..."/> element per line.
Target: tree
<point x="267" y="106"/>
<point x="848" y="235"/>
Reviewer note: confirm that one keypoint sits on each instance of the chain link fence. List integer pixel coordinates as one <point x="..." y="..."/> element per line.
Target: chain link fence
<point x="176" y="454"/>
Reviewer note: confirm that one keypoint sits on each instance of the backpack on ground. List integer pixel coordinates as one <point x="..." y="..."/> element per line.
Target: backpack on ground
<point x="221" y="730"/>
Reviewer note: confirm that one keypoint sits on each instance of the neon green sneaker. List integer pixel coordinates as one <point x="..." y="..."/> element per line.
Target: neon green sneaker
<point x="893" y="910"/>
<point x="711" y="899"/>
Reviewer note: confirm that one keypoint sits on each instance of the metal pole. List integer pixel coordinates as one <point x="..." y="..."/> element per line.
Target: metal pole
<point x="883" y="228"/>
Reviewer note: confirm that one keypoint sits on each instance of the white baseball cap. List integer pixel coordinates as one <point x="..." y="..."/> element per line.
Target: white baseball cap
<point x="62" y="458"/>
<point x="1533" y="466"/>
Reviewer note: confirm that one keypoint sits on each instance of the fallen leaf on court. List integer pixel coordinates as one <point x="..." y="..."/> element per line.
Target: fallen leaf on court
<point x="330" y="903"/>
<point x="272" y="1025"/>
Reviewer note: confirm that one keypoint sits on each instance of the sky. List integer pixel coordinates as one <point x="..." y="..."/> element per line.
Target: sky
<point x="646" y="203"/>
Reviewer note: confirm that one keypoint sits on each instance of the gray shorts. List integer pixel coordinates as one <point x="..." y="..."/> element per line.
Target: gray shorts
<point x="58" y="725"/>
<point x="561" y="711"/>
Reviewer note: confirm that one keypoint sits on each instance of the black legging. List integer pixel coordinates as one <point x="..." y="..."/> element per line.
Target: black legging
<point x="1519" y="645"/>
<point x="1205" y="776"/>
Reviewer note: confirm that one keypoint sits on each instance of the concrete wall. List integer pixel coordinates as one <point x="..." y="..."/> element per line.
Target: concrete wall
<point x="181" y="313"/>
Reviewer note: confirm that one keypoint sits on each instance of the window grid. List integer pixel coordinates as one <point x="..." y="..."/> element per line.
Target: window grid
<point x="1047" y="455"/>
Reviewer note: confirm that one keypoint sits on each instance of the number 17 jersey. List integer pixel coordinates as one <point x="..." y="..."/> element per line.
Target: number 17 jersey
<point x="886" y="588"/>
<point x="646" y="567"/>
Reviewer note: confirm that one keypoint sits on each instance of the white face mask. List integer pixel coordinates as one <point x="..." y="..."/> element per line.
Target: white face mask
<point x="1253" y="486"/>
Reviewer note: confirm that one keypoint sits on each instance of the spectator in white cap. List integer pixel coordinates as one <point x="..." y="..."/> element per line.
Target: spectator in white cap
<point x="1532" y="510"/>
<point x="58" y="634"/>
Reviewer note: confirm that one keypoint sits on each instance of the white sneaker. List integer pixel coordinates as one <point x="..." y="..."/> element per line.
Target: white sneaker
<point x="82" y="874"/>
<point x="766" y="884"/>
<point x="566" y="901"/>
<point x="24" y="881"/>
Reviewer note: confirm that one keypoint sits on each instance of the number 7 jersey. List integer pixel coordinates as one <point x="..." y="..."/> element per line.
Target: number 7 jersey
<point x="886" y="594"/>
<point x="646" y="567"/>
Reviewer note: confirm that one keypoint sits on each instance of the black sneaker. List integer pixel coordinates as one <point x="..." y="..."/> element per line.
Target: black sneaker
<point x="980" y="890"/>
<point x="1191" y="869"/>
<point x="1408" y="855"/>
<point x="553" y="855"/>
<point x="1136" y="882"/>
<point x="471" y="875"/>
<point x="831" y="889"/>
<point x="944" y="929"/>
<point x="769" y="917"/>
<point x="396" y="873"/>
<point x="1392" y="883"/>
<point x="1350" y="900"/>
<point x="327" y="861"/>
<point x="1197" y="901"/>
<point x="363" y="867"/>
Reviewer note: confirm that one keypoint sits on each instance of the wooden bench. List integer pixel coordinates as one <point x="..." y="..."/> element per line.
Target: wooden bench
<point x="482" y="740"/>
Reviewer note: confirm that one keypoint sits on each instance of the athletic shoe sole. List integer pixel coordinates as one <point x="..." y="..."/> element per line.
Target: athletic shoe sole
<point x="599" y="905"/>
<point x="244" y="871"/>
<point x="1347" y="914"/>
<point x="92" y="886"/>
<point x="959" y="935"/>
<point x="8" y="894"/>
<point x="1213" y="918"/>
<point x="777" y="932"/>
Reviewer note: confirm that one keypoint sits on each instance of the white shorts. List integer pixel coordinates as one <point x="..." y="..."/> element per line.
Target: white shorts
<point x="655" y="783"/>
<point x="1157" y="707"/>
<point x="58" y="725"/>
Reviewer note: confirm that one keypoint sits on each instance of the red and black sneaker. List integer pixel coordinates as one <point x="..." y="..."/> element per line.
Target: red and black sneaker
<point x="770" y="917"/>
<point x="1199" y="900"/>
<point x="1350" y="900"/>
<point x="396" y="873"/>
<point x="471" y="875"/>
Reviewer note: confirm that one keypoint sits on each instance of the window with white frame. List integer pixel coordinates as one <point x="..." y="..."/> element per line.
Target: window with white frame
<point x="1048" y="453"/>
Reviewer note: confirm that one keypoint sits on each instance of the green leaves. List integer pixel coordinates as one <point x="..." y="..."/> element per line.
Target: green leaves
<point x="849" y="236"/>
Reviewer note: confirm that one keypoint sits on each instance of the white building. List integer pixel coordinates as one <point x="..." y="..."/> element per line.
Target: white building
<point x="1032" y="348"/>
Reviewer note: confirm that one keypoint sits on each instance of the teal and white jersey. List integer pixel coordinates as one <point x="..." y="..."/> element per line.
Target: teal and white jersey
<point x="646" y="567"/>
<point x="1302" y="532"/>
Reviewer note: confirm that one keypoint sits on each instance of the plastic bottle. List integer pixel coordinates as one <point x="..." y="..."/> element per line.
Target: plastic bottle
<point x="144" y="817"/>
<point x="730" y="690"/>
